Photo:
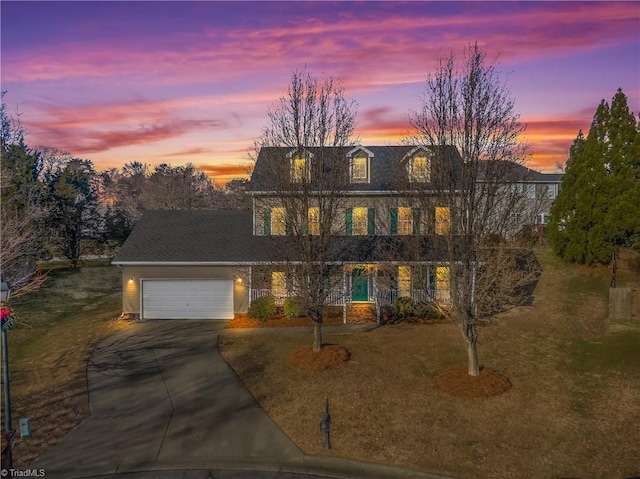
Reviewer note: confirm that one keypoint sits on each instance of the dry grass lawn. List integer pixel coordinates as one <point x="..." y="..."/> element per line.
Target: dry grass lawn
<point x="58" y="328"/>
<point x="573" y="409"/>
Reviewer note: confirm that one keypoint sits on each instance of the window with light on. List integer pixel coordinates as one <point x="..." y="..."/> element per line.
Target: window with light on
<point x="313" y="220"/>
<point x="360" y="221"/>
<point x="299" y="169"/>
<point x="405" y="221"/>
<point x="359" y="169"/>
<point x="278" y="225"/>
<point x="419" y="169"/>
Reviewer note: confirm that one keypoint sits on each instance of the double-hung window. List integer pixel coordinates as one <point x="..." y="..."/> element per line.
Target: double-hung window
<point x="360" y="221"/>
<point x="404" y="281"/>
<point x="419" y="169"/>
<point x="443" y="220"/>
<point x="360" y="169"/>
<point x="299" y="170"/>
<point x="313" y="220"/>
<point x="405" y="221"/>
<point x="278" y="221"/>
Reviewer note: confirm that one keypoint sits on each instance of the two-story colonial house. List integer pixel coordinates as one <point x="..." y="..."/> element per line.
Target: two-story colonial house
<point x="369" y="213"/>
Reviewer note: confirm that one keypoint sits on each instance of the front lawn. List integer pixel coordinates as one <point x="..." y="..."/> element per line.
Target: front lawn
<point x="57" y="329"/>
<point x="573" y="409"/>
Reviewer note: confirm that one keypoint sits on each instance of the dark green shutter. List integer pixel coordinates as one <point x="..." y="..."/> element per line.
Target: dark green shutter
<point x="371" y="221"/>
<point x="267" y="221"/>
<point x="305" y="221"/>
<point x="348" y="220"/>
<point x="393" y="221"/>
<point x="416" y="221"/>
<point x="432" y="280"/>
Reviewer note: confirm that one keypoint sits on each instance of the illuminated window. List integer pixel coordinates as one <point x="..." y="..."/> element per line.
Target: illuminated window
<point x="299" y="170"/>
<point x="359" y="169"/>
<point x="443" y="220"/>
<point x="360" y="221"/>
<point x="313" y="220"/>
<point x="443" y="285"/>
<point x="278" y="285"/>
<point x="405" y="221"/>
<point x="404" y="280"/>
<point x="419" y="169"/>
<point x="278" y="224"/>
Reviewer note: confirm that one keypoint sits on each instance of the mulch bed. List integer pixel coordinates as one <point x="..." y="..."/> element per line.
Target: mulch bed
<point x="457" y="382"/>
<point x="329" y="356"/>
<point x="242" y="321"/>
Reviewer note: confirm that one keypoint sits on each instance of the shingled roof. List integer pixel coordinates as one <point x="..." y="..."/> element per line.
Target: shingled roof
<point x="225" y="237"/>
<point x="194" y="237"/>
<point x="386" y="172"/>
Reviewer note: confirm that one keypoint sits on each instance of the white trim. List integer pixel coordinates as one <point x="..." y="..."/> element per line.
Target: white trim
<point x="428" y="151"/>
<point x="358" y="148"/>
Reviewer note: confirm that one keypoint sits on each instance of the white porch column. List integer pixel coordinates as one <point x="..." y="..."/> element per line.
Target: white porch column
<point x="344" y="294"/>
<point x="375" y="293"/>
<point x="249" y="282"/>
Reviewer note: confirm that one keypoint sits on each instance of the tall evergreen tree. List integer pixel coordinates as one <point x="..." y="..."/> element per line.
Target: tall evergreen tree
<point x="597" y="209"/>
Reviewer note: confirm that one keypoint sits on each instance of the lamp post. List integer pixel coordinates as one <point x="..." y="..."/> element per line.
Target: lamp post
<point x="5" y="291"/>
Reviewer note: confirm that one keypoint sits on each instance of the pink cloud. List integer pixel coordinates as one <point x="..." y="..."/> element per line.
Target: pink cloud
<point x="348" y="45"/>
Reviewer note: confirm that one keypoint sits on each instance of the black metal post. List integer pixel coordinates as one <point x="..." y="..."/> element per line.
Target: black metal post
<point x="325" y="425"/>
<point x="7" y="399"/>
<point x="5" y="378"/>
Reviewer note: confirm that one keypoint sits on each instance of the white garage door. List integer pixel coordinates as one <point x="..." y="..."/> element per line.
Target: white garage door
<point x="187" y="299"/>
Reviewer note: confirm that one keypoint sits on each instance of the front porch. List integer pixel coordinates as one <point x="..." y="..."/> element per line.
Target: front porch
<point x="372" y="285"/>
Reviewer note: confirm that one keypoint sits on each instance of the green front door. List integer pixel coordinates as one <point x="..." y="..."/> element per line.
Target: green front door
<point x="359" y="285"/>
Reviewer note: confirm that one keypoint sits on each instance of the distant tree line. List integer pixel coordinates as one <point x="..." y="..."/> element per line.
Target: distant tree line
<point x="598" y="208"/>
<point x="54" y="204"/>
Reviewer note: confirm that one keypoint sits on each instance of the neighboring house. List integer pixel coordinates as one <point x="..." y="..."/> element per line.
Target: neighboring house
<point x="383" y="242"/>
<point x="539" y="190"/>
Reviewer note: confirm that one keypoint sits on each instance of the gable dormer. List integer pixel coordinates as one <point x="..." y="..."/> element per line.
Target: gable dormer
<point x="299" y="165"/>
<point x="360" y="164"/>
<point x="418" y="165"/>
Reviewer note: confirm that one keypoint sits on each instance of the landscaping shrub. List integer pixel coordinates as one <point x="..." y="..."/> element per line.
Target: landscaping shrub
<point x="402" y="307"/>
<point x="425" y="310"/>
<point x="292" y="307"/>
<point x="262" y="308"/>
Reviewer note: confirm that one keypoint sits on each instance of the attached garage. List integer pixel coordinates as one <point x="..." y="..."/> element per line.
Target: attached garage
<point x="187" y="299"/>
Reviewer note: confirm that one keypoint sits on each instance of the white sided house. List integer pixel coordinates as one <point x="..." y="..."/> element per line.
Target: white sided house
<point x="385" y="242"/>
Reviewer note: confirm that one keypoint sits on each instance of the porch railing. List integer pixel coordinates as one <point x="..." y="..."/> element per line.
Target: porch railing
<point x="382" y="297"/>
<point x="334" y="298"/>
<point x="388" y="296"/>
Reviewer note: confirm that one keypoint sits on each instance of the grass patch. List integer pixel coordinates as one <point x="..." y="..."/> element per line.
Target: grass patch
<point x="615" y="353"/>
<point x="58" y="327"/>
<point x="573" y="409"/>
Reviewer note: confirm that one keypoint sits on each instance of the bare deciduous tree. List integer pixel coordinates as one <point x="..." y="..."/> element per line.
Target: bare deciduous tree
<point x="302" y="162"/>
<point x="466" y="105"/>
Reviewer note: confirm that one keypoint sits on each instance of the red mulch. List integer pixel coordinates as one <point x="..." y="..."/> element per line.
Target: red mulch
<point x="242" y="321"/>
<point x="456" y="381"/>
<point x="329" y="356"/>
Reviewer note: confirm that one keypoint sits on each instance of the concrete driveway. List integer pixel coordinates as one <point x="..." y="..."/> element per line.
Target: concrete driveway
<point x="161" y="396"/>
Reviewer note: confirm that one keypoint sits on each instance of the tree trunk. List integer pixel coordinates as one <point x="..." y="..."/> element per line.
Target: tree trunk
<point x="472" y="349"/>
<point x="317" y="336"/>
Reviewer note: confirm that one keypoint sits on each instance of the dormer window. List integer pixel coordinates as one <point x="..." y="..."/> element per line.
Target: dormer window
<point x="359" y="170"/>
<point x="418" y="165"/>
<point x="360" y="165"/>
<point x="419" y="169"/>
<point x="299" y="169"/>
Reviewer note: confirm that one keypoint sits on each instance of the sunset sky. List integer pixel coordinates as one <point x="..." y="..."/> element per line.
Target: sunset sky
<point x="178" y="82"/>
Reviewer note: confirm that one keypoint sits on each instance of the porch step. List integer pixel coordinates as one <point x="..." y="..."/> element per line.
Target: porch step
<point x="361" y="313"/>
